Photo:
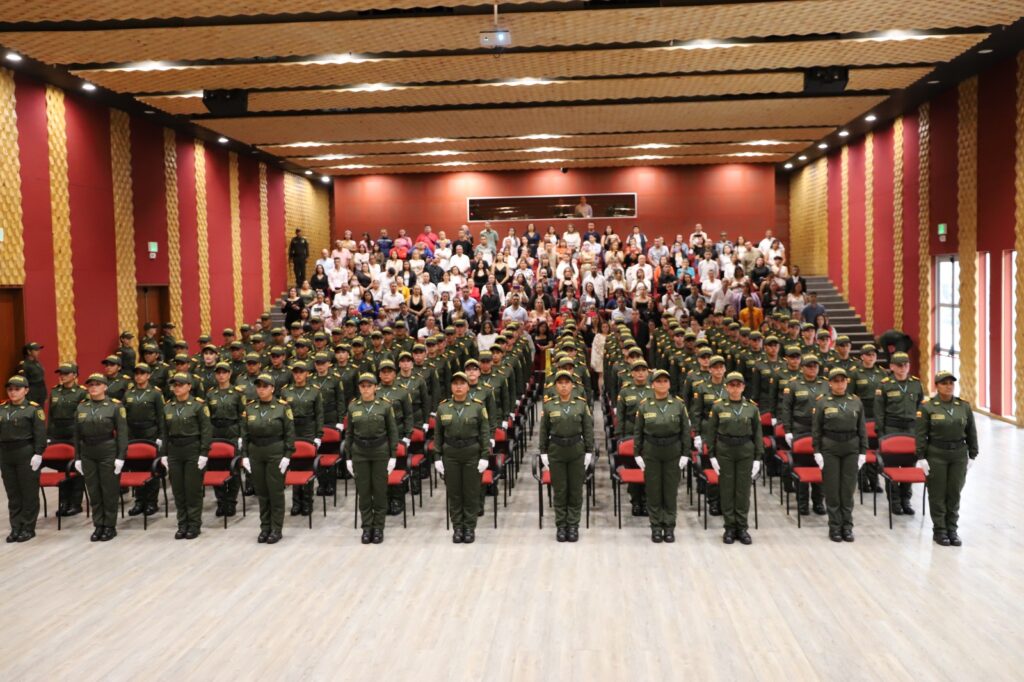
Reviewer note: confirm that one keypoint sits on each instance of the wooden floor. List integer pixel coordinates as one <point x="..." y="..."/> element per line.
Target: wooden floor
<point x="518" y="606"/>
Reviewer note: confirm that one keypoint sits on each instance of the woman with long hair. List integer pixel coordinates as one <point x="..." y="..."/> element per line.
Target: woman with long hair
<point x="292" y="306"/>
<point x="510" y="245"/>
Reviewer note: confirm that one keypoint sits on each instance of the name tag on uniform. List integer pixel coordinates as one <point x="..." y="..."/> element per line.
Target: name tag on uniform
<point x="724" y="415"/>
<point x="861" y="382"/>
<point x="831" y="410"/>
<point x="938" y="417"/>
<point x="290" y="398"/>
<point x="650" y="415"/>
<point x="357" y="413"/>
<point x="554" y="415"/>
<point x="630" y="399"/>
<point x="801" y="394"/>
<point x="252" y="418"/>
<point x="445" y="418"/>
<point x="213" y="402"/>
<point x="168" y="417"/>
<point x="893" y="394"/>
<point x="129" y="400"/>
<point x="81" y="416"/>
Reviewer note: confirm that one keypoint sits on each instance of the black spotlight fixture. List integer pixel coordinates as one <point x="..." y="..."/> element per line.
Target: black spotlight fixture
<point x="226" y="102"/>
<point x="826" y="80"/>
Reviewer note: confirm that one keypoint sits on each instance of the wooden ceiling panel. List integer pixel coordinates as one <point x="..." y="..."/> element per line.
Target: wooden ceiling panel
<point x="819" y="111"/>
<point x="582" y="63"/>
<point x="534" y="29"/>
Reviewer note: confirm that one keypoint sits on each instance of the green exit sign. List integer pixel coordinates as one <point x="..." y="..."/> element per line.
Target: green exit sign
<point x="943" y="229"/>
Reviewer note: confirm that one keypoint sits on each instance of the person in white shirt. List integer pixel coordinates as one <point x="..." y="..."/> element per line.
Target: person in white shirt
<point x="320" y="307"/>
<point x="707" y="266"/>
<point x="595" y="278"/>
<point x="446" y="285"/>
<point x="766" y="244"/>
<point x="565" y="263"/>
<point x="459" y="260"/>
<point x="572" y="238"/>
<point x="710" y="284"/>
<point x="641" y="264"/>
<point x="698" y="232"/>
<point x="655" y="253"/>
<point x="515" y="312"/>
<point x="376" y="291"/>
<point x="326" y="261"/>
<point x="345" y="297"/>
<point x="719" y="299"/>
<point x="443" y="253"/>
<point x="392" y="300"/>
<point x="337" y="276"/>
<point x="583" y="209"/>
<point x="510" y="245"/>
<point x="429" y="328"/>
<point x="416" y="262"/>
<point x="428" y="289"/>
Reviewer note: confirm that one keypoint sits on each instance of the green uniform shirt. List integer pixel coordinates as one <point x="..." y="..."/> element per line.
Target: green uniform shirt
<point x="117" y="386"/>
<point x="865" y="383"/>
<point x="797" y="404"/>
<point x="946" y="426"/>
<point x="307" y="409"/>
<point x="22" y="428"/>
<point x="100" y="428"/>
<point x="227" y="407"/>
<point x="332" y="395"/>
<point x="838" y="425"/>
<point x="188" y="428"/>
<point x="63" y="405"/>
<point x="36" y="377"/>
<point x="562" y="422"/>
<point x="372" y="430"/>
<point x="662" y="428"/>
<point x="630" y="397"/>
<point x="896" y="404"/>
<point x="269" y="429"/>
<point x="730" y="422"/>
<point x="144" y="412"/>
<point x="418" y="396"/>
<point x="463" y="429"/>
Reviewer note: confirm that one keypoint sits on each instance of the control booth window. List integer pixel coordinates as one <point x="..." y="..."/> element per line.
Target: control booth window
<point x="552" y="207"/>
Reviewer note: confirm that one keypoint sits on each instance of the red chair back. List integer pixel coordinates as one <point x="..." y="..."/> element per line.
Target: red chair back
<point x="432" y="422"/>
<point x="872" y="431"/>
<point x="803" y="446"/>
<point x="331" y="435"/>
<point x="141" y="450"/>
<point x="898" y="444"/>
<point x="304" y="449"/>
<point x="400" y="451"/>
<point x="766" y="419"/>
<point x="626" y="448"/>
<point x="221" y="449"/>
<point x="59" y="452"/>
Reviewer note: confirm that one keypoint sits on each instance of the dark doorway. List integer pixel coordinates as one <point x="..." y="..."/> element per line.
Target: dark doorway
<point x="12" y="317"/>
<point x="154" y="305"/>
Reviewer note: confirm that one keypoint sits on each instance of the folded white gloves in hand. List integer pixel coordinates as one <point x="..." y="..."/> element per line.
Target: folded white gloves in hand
<point x="316" y="442"/>
<point x="78" y="466"/>
<point x="439" y="466"/>
<point x="923" y="465"/>
<point x="406" y="441"/>
<point x="640" y="463"/>
<point x="426" y="427"/>
<point x="481" y="466"/>
<point x="755" y="470"/>
<point x="163" y="462"/>
<point x="283" y="466"/>
<point x="159" y="443"/>
<point x="492" y="443"/>
<point x="202" y="462"/>
<point x="544" y="461"/>
<point x="246" y="464"/>
<point x="36" y="462"/>
<point x="683" y="462"/>
<point x="588" y="458"/>
<point x="775" y="422"/>
<point x="715" y="465"/>
<point x="351" y="468"/>
<point x="861" y="460"/>
<point x="239" y="443"/>
<point x="819" y="459"/>
<point x="118" y="465"/>
<point x="391" y="464"/>
<point x="789" y="439"/>
<point x="698" y="444"/>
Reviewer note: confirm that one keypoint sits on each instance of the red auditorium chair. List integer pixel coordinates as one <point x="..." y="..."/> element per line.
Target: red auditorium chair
<point x="767" y="432"/>
<point x="330" y="458"/>
<point x="60" y="457"/>
<point x="871" y="457"/>
<point x="223" y="466"/>
<point x="782" y="456"/>
<point x="624" y="471"/>
<point x="504" y="459"/>
<point x="897" y="457"/>
<point x="419" y="467"/>
<point x="803" y="468"/>
<point x="141" y="466"/>
<point x="302" y="470"/>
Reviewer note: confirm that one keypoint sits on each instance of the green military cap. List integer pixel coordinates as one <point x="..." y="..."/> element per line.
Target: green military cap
<point x="265" y="379"/>
<point x="315" y="318"/>
<point x="376" y="334"/>
<point x="295" y="325"/>
<point x="809" y="359"/>
<point x="337" y="331"/>
<point x="459" y="376"/>
<point x="460" y="323"/>
<point x="899" y="358"/>
<point x="744" y="331"/>
<point x="228" y="331"/>
<point x="486" y="356"/>
<point x="506" y="335"/>
<point x="512" y="325"/>
<point x="150" y="325"/>
<point x="364" y="320"/>
<point x="257" y="338"/>
<point x="639" y="364"/>
<point x="350" y="322"/>
<point x="386" y="364"/>
<point x="633" y="350"/>
<point x="704" y="352"/>
<point x="127" y="335"/>
<point x="565" y="360"/>
<point x="944" y="375"/>
<point x="690" y="336"/>
<point x="277" y="350"/>
<point x="679" y="331"/>
<point x="717" y="360"/>
<point x="143" y="368"/>
<point x="659" y="374"/>
<point x="419" y="348"/>
<point x="299" y="366"/>
<point x="842" y="340"/>
<point x="734" y="325"/>
<point x="253" y="357"/>
<point x="431" y="341"/>
<point x="472" y="362"/>
<point x="18" y="381"/>
<point x="320" y="336"/>
<point x="868" y="348"/>
<point x="303" y="343"/>
<point x="222" y="366"/>
<point x="367" y="378"/>
<point x="112" y="360"/>
<point x="168" y="325"/>
<point x="563" y="374"/>
<point x="358" y="341"/>
<point x="244" y="328"/>
<point x="449" y="330"/>
<point x="235" y="345"/>
<point x="388" y="330"/>
<point x="823" y="334"/>
<point x="727" y="321"/>
<point x="277" y="331"/>
<point x="792" y="351"/>
<point x="149" y="348"/>
<point x="569" y="345"/>
<point x="805" y="326"/>
<point x="837" y="372"/>
<point x="181" y="378"/>
<point x="321" y="357"/>
<point x="794" y="323"/>
<point x="339" y="347"/>
<point x="496" y="348"/>
<point x="771" y="340"/>
<point x="210" y="348"/>
<point x="67" y="368"/>
<point x="181" y="359"/>
<point x="264" y="316"/>
<point x="205" y="338"/>
<point x="734" y="376"/>
<point x="756" y="336"/>
<point x="404" y="355"/>
<point x="401" y="325"/>
<point x="93" y="379"/>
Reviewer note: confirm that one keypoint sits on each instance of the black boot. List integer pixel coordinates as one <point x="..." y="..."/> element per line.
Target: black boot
<point x="670" y="535"/>
<point x="819" y="508"/>
<point x="469" y="536"/>
<point x="109" y="533"/>
<point x="97" y="533"/>
<point x="729" y="536"/>
<point x="907" y="509"/>
<point x="192" y="533"/>
<point x="262" y="538"/>
<point x="137" y="508"/>
<point x="941" y="538"/>
<point x="657" y="535"/>
<point x="25" y="535"/>
<point x="367" y="536"/>
<point x="897" y="507"/>
<point x="744" y="537"/>
<point x="457" y="536"/>
<point x="714" y="508"/>
<point x="954" y="539"/>
<point x="296" y="504"/>
<point x="637" y="510"/>
<point x="835" y="536"/>
<point x="151" y="509"/>
<point x="573" y="533"/>
<point x="13" y="537"/>
<point x="220" y="510"/>
<point x="378" y="536"/>
<point x="274" y="537"/>
<point x="180" y="534"/>
<point x="848" y="535"/>
<point x="643" y="509"/>
<point x="802" y="509"/>
<point x="229" y="509"/>
<point x="560" y="534"/>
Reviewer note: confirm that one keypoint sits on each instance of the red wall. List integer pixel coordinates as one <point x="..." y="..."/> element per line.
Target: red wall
<point x="738" y="198"/>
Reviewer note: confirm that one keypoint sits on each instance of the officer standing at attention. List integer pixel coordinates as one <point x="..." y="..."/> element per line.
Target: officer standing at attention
<point x="736" y="449"/>
<point x="167" y="342"/>
<point x="298" y="253"/>
<point x="307" y="409"/>
<point x="226" y="404"/>
<point x="369" y="455"/>
<point x="947" y="445"/>
<point x="796" y="410"/>
<point x="461" y="455"/>
<point x="705" y="394"/>
<point x="897" y="401"/>
<point x="661" y="444"/>
<point x="126" y="352"/>
<point x="32" y="370"/>
<point x="185" y="454"/>
<point x="268" y="442"/>
<point x="630" y="397"/>
<point x="865" y="380"/>
<point x="840" y="445"/>
<point x="563" y="420"/>
<point x="101" y="442"/>
<point x="64" y="400"/>
<point x="144" y="413"/>
<point x="117" y="381"/>
<point x="22" y="441"/>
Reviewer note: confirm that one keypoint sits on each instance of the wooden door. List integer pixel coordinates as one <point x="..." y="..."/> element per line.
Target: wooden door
<point x="154" y="305"/>
<point x="12" y="321"/>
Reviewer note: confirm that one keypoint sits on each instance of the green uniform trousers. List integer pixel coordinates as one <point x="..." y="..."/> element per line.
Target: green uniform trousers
<point x="372" y="488"/>
<point x="103" y="486"/>
<point x="735" y="464"/>
<point x="268" y="482"/>
<point x="661" y="483"/>
<point x="462" y="486"/>
<point x="22" y="486"/>
<point x="187" y="486"/>
<point x="947" y="474"/>
<point x="839" y="479"/>
<point x="567" y="476"/>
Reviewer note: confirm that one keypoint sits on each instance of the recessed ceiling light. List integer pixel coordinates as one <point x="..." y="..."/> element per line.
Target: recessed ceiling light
<point x="305" y="144"/>
<point x="150" y="111"/>
<point x="524" y="81"/>
<point x="822" y="146"/>
<point x="788" y="166"/>
<point x="372" y="87"/>
<point x="985" y="51"/>
<point x="934" y="81"/>
<point x="543" y="150"/>
<point x="332" y="157"/>
<point x="750" y="154"/>
<point x="548" y="160"/>
<point x="440" y="152"/>
<point x="88" y="87"/>
<point x="651" y="145"/>
<point x="896" y="35"/>
<point x="222" y="139"/>
<point x="802" y="157"/>
<point x="325" y="178"/>
<point x="424" y="140"/>
<point x="454" y="163"/>
<point x="12" y="57"/>
<point x="844" y="133"/>
<point x="353" y="166"/>
<point x="703" y="44"/>
<point x="762" y="143"/>
<point x="646" y="157"/>
<point x="539" y="136"/>
<point x="309" y="172"/>
<point x="870" y="118"/>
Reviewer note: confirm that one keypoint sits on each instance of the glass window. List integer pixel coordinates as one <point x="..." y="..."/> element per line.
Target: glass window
<point x="552" y="207"/>
<point x="947" y="312"/>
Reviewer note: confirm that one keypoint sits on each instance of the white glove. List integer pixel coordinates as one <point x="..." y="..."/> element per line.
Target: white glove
<point x="544" y="461"/>
<point x="775" y="422"/>
<point x="426" y="427"/>
<point x="698" y="444"/>
<point x="48" y="441"/>
<point x="159" y="443"/>
<point x="239" y="443"/>
<point x="406" y="441"/>
<point x="439" y="466"/>
<point x="715" y="465"/>
<point x="36" y="462"/>
<point x="789" y="439"/>
<point x="640" y="463"/>
<point x="819" y="459"/>
<point x="163" y="462"/>
<point x="861" y="460"/>
<point x="78" y="467"/>
<point x="339" y="427"/>
<point x="588" y="458"/>
<point x="351" y="468"/>
<point x="202" y="463"/>
<point x="246" y="464"/>
<point x="283" y="466"/>
<point x="970" y="463"/>
<point x="391" y="464"/>
<point x="923" y="465"/>
<point x="118" y="465"/>
<point x="492" y="444"/>
<point x="316" y="442"/>
<point x="481" y="465"/>
<point x="755" y="470"/>
<point x="504" y="425"/>
<point x="683" y="462"/>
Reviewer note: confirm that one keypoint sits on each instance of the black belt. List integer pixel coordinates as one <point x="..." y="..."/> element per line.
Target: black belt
<point x="301" y="420"/>
<point x="948" y="444"/>
<point x="733" y="440"/>
<point x="16" y="443"/>
<point x="461" y="442"/>
<point x="97" y="440"/>
<point x="897" y="421"/>
<point x="59" y="420"/>
<point x="369" y="442"/>
<point x="221" y="422"/>
<point x="802" y="422"/>
<point x="566" y="440"/>
<point x="142" y="426"/>
<point x="183" y="440"/>
<point x="264" y="440"/>
<point x="840" y="435"/>
<point x="661" y="440"/>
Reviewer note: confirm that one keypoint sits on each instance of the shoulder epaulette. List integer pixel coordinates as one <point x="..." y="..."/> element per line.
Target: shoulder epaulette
<point x="283" y="402"/>
<point x="935" y="402"/>
<point x="717" y="400"/>
<point x="200" y="400"/>
<point x="913" y="378"/>
<point x="820" y="397"/>
<point x="444" y="402"/>
<point x="385" y="399"/>
<point x="547" y="398"/>
<point x="115" y="401"/>
<point x="478" y="401"/>
<point x="33" y="403"/>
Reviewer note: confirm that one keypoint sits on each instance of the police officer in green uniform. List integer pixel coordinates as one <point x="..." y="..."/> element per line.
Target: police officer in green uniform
<point x="840" y="445"/>
<point x="897" y="401"/>
<point x="369" y="455"/>
<point x="277" y="370"/>
<point x="144" y="413"/>
<point x="101" y="443"/>
<point x="22" y="441"/>
<point x="268" y="442"/>
<point x="185" y="454"/>
<point x="167" y="342"/>
<point x="947" y="445"/>
<point x="630" y="397"/>
<point x="247" y="381"/>
<point x="865" y="379"/>
<point x="64" y="399"/>
<point x="564" y="419"/>
<point x="461" y="455"/>
<point x="705" y="393"/>
<point x="661" y="443"/>
<point x="796" y="413"/>
<point x="735" y="449"/>
<point x="307" y="409"/>
<point x="401" y="404"/>
<point x="183" y="365"/>
<point x="32" y="370"/>
<point x="117" y="381"/>
<point x="159" y="371"/>
<point x="126" y="352"/>
<point x="226" y="404"/>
